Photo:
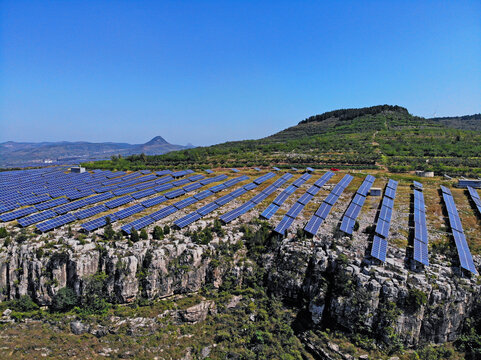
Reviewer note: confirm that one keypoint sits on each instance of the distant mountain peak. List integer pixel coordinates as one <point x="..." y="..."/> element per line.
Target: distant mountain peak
<point x="158" y="140"/>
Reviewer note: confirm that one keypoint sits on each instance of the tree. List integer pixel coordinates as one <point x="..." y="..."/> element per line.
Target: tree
<point x="3" y="233"/>
<point x="109" y="231"/>
<point x="158" y="233"/>
<point x="166" y="230"/>
<point x="134" y="235"/>
<point x="95" y="294"/>
<point x="64" y="300"/>
<point x="143" y="234"/>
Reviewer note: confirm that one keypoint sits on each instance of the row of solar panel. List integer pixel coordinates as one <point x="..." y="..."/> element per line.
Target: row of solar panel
<point x="324" y="209"/>
<point x="169" y="210"/>
<point x="464" y="254"/>
<point x="379" y="245"/>
<point x="420" y="228"/>
<point x="354" y="209"/>
<point x="244" y="208"/>
<point x="100" y="222"/>
<point x="292" y="213"/>
<point x="476" y="199"/>
<point x="284" y="195"/>
<point x="199" y="213"/>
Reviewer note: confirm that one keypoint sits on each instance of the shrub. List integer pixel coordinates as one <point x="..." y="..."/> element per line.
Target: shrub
<point x="65" y="299"/>
<point x="3" y="233"/>
<point x="23" y="304"/>
<point x="143" y="234"/>
<point x="416" y="298"/>
<point x="134" y="235"/>
<point x="158" y="233"/>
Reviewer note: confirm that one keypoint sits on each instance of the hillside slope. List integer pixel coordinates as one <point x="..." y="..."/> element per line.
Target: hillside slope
<point x="466" y="122"/>
<point x="379" y="136"/>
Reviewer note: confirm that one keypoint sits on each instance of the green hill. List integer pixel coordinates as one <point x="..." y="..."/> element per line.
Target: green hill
<point x="466" y="122"/>
<point x="375" y="137"/>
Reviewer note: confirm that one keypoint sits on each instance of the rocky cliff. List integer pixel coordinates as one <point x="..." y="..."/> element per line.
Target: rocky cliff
<point x="328" y="280"/>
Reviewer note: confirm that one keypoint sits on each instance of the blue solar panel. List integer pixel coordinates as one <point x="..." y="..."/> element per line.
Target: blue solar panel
<point x="283" y="225"/>
<point x="118" y="202"/>
<point x="331" y="199"/>
<point x="223" y="200"/>
<point x="250" y="186"/>
<point x="174" y="193"/>
<point x="392" y="184"/>
<point x="192" y="187"/>
<point x="143" y="193"/>
<point x="206" y="209"/>
<point x="323" y="210"/>
<point x="295" y="210"/>
<point x="185" y="202"/>
<point x="137" y="224"/>
<point x="17" y="213"/>
<point x="324" y="179"/>
<point x="359" y="200"/>
<point x="313" y="190"/>
<point x="154" y="201"/>
<point x="382" y="228"/>
<point x="301" y="180"/>
<point x="217" y="188"/>
<point x="421" y="252"/>
<point x="187" y="220"/>
<point x="258" y="198"/>
<point x="353" y="211"/>
<point x="55" y="222"/>
<point x="163" y="187"/>
<point x="270" y="211"/>
<point x="379" y="248"/>
<point x="203" y="194"/>
<point x="163" y="213"/>
<point x="238" y="192"/>
<point x="445" y="190"/>
<point x="131" y="210"/>
<point x="40" y="216"/>
<point x="83" y="214"/>
<point x="474" y="194"/>
<point x="347" y="225"/>
<point x="313" y="225"/>
<point x="388" y="202"/>
<point x="385" y="214"/>
<point x="417" y="185"/>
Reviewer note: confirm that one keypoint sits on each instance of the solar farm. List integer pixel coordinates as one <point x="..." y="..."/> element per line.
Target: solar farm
<point x="317" y="203"/>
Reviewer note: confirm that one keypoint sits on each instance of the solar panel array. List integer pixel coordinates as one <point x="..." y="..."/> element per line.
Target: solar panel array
<point x="379" y="245"/>
<point x="283" y="196"/>
<point x="421" y="253"/>
<point x="464" y="254"/>
<point x="169" y="210"/>
<point x="292" y="213"/>
<point x="207" y="209"/>
<point x="134" y="209"/>
<point x="254" y="201"/>
<point x="476" y="199"/>
<point x="324" y="209"/>
<point x="352" y="212"/>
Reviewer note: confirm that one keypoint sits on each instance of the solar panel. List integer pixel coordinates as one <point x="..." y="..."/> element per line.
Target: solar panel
<point x="421" y="233"/>
<point x="301" y="180"/>
<point x="143" y="193"/>
<point x="305" y="198"/>
<point x="154" y="201"/>
<point x="313" y="225"/>
<point x="203" y="194"/>
<point x="40" y="216"/>
<point x="207" y="209"/>
<point x="208" y="171"/>
<point x="270" y="211"/>
<point x="163" y="213"/>
<point x="331" y="199"/>
<point x="217" y="188"/>
<point x="347" y="225"/>
<point x="445" y="190"/>
<point x="118" y="202"/>
<point x="192" y="187"/>
<point x="131" y="210"/>
<point x="83" y="214"/>
<point x="180" y="182"/>
<point x="279" y="200"/>
<point x="187" y="220"/>
<point x="55" y="222"/>
<point x="295" y="210"/>
<point x="392" y="184"/>
<point x="258" y="198"/>
<point x="382" y="228"/>
<point x="17" y="213"/>
<point x="385" y="214"/>
<point x="323" y="210"/>
<point x="353" y="211"/>
<point x="238" y="192"/>
<point x="379" y="248"/>
<point x="235" y="170"/>
<point x="324" y="179"/>
<point x="250" y="186"/>
<point x="283" y="225"/>
<point x="137" y="224"/>
<point x="174" y="193"/>
<point x="474" y="194"/>
<point x="421" y="252"/>
<point x="359" y="200"/>
<point x="195" y="177"/>
<point x="417" y="185"/>
<point x="390" y="193"/>
<point x="163" y="187"/>
<point x="388" y="202"/>
<point x="313" y="190"/>
<point x="223" y="200"/>
<point x="185" y="202"/>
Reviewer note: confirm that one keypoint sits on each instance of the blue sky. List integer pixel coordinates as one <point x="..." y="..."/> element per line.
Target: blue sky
<point x="205" y="72"/>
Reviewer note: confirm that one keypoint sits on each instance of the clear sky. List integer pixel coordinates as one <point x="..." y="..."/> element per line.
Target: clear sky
<point x="205" y="72"/>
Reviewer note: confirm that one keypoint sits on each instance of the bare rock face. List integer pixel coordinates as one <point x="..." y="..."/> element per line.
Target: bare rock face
<point x="339" y="289"/>
<point x="198" y="312"/>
